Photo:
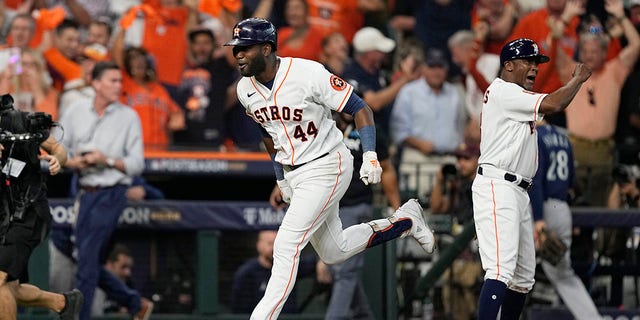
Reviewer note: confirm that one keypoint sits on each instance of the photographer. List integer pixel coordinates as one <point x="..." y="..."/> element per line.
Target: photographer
<point x="24" y="215"/>
<point x="451" y="194"/>
<point x="624" y="194"/>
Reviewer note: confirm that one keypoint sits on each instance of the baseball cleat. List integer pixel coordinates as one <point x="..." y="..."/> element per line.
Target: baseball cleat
<point x="419" y="228"/>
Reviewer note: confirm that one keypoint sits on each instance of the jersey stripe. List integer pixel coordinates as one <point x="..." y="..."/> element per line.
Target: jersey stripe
<point x="536" y="106"/>
<point x="275" y="101"/>
<point x="293" y="149"/>
<point x="258" y="90"/>
<point x="495" y="230"/>
<point x="535" y="118"/>
<point x="306" y="233"/>
<point x="283" y="79"/>
<point x="345" y="99"/>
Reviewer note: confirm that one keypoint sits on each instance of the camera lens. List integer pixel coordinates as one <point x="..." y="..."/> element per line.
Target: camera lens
<point x="44" y="166"/>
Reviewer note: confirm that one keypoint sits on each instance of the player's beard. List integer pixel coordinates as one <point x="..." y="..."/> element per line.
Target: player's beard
<point x="256" y="67"/>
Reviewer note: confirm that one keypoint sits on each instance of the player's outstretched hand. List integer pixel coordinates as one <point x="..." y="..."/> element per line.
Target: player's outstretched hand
<point x="285" y="190"/>
<point x="370" y="172"/>
<point x="581" y="72"/>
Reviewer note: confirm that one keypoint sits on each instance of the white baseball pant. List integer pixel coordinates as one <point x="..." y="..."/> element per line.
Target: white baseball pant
<point x="505" y="232"/>
<point x="312" y="216"/>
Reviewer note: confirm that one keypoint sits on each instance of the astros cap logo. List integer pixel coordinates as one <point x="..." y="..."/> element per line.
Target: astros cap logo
<point x="236" y="32"/>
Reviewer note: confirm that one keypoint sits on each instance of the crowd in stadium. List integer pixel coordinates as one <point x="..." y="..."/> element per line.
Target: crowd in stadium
<point x="421" y="65"/>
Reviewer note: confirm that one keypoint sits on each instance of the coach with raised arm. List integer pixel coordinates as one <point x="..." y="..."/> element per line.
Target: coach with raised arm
<point x="507" y="164"/>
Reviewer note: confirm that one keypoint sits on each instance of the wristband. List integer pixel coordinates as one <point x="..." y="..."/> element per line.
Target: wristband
<point x="368" y="138"/>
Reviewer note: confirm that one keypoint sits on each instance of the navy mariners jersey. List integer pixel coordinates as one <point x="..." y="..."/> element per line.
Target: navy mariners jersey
<point x="555" y="168"/>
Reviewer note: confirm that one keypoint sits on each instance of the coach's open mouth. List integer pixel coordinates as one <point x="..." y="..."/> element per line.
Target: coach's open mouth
<point x="531" y="78"/>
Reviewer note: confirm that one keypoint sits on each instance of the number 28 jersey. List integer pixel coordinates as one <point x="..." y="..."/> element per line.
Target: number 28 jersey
<point x="296" y="111"/>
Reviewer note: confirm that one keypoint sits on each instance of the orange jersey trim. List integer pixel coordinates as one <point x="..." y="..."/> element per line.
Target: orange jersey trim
<point x="495" y="230"/>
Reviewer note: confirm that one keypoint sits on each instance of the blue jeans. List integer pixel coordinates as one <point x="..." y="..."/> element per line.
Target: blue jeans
<point x="348" y="299"/>
<point x="97" y="219"/>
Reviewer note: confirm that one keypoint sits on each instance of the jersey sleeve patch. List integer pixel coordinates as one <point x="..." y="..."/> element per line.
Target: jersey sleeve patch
<point x="337" y="83"/>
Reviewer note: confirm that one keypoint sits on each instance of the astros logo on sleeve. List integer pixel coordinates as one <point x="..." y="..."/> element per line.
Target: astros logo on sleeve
<point x="337" y="83"/>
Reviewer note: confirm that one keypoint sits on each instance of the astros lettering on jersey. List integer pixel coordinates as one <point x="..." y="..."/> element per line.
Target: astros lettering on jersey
<point x="302" y="97"/>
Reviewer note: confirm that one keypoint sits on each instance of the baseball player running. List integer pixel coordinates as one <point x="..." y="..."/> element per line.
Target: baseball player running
<point x="549" y="195"/>
<point x="292" y="100"/>
<point x="507" y="163"/>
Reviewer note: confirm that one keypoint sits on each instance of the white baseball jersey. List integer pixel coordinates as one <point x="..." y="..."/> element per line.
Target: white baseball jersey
<point x="509" y="139"/>
<point x="296" y="112"/>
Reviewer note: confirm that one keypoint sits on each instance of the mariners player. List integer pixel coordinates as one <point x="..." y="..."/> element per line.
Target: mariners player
<point x="507" y="163"/>
<point x="292" y="100"/>
<point x="549" y="195"/>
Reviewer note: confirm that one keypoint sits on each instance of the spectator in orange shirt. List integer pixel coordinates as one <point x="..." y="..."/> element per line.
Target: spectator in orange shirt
<point x="21" y="31"/>
<point x="99" y="31"/>
<point x="227" y="11"/>
<point x="500" y="16"/>
<point x="61" y="56"/>
<point x="42" y="20"/>
<point x="31" y="87"/>
<point x="534" y="26"/>
<point x="158" y="113"/>
<point x="299" y="39"/>
<point x="592" y="115"/>
<point x="81" y="88"/>
<point x="344" y="16"/>
<point x="161" y="29"/>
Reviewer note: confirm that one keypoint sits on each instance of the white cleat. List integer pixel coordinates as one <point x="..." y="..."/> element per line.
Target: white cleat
<point x="419" y="228"/>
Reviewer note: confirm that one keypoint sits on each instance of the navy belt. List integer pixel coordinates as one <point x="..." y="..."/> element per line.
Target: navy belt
<point x="526" y="185"/>
<point x="291" y="168"/>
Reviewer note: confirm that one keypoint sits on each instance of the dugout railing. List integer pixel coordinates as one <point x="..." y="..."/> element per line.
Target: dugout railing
<point x="380" y="274"/>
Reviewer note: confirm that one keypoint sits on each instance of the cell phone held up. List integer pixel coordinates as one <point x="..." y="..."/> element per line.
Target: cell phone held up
<point x="15" y="60"/>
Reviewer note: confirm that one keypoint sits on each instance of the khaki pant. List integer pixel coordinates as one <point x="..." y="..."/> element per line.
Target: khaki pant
<point x="594" y="163"/>
<point x="461" y="299"/>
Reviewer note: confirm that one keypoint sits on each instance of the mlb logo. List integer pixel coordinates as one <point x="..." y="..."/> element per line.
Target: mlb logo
<point x="236" y="32"/>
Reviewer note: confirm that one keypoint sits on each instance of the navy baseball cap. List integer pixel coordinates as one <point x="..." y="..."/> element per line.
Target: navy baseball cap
<point x="522" y="48"/>
<point x="253" y="31"/>
<point x="436" y="57"/>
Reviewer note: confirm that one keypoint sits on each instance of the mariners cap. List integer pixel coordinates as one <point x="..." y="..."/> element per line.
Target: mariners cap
<point x="371" y="39"/>
<point x="522" y="48"/>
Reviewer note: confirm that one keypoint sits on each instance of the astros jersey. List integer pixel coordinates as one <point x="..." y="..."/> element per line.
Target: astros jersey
<point x="508" y="133"/>
<point x="296" y="112"/>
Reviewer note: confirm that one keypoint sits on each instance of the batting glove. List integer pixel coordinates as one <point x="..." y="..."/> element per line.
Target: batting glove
<point x="285" y="189"/>
<point x="370" y="172"/>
